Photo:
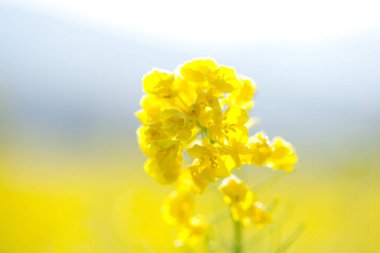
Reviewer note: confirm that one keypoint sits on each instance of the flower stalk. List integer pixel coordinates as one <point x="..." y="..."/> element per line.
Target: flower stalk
<point x="238" y="237"/>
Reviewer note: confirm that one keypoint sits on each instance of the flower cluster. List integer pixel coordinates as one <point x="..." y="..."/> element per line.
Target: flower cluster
<point x="196" y="122"/>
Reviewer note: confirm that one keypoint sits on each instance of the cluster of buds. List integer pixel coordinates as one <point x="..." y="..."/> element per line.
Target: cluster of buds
<point x="195" y="125"/>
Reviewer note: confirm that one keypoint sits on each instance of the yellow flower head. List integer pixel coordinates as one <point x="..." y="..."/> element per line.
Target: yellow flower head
<point x="243" y="97"/>
<point x="195" y="131"/>
<point x="244" y="206"/>
<point x="165" y="164"/>
<point x="209" y="102"/>
<point x="178" y="207"/>
<point x="260" y="149"/>
<point x="192" y="232"/>
<point x="160" y="83"/>
<point x="234" y="190"/>
<point x="277" y="154"/>
<point x="253" y="214"/>
<point x="199" y="71"/>
<point x="283" y="156"/>
<point x="209" y="164"/>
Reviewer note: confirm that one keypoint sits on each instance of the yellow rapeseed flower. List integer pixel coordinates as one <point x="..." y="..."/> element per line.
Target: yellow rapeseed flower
<point x="199" y="71"/>
<point x="260" y="149"/>
<point x="243" y="97"/>
<point x="244" y="206"/>
<point x="277" y="154"/>
<point x="178" y="209"/>
<point x="192" y="232"/>
<point x="283" y="155"/>
<point x="160" y="83"/>
<point x="209" y="164"/>
<point x="232" y="127"/>
<point x="195" y="131"/>
<point x="166" y="163"/>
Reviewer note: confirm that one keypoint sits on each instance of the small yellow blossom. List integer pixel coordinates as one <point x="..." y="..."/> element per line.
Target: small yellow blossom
<point x="283" y="156"/>
<point x="206" y="110"/>
<point x="209" y="164"/>
<point x="192" y="232"/>
<point x="224" y="80"/>
<point x="260" y="149"/>
<point x="151" y="108"/>
<point x="250" y="214"/>
<point x="244" y="206"/>
<point x="243" y="97"/>
<point x="237" y="153"/>
<point x="176" y="125"/>
<point x="232" y="127"/>
<point x="276" y="155"/>
<point x="235" y="191"/>
<point x="198" y="70"/>
<point x="160" y="83"/>
<point x="166" y="163"/>
<point x="178" y="209"/>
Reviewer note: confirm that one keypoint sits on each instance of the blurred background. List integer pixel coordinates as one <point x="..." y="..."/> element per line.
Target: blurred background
<point x="71" y="173"/>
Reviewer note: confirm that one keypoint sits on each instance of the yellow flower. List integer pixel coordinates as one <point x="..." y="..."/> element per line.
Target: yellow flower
<point x="206" y="111"/>
<point x="192" y="232"/>
<point x="187" y="93"/>
<point x="279" y="155"/>
<point x="201" y="112"/>
<point x="243" y="97"/>
<point x="234" y="190"/>
<point x="162" y="174"/>
<point x="198" y="70"/>
<point x="209" y="164"/>
<point x="243" y="203"/>
<point x="166" y="163"/>
<point x="159" y="83"/>
<point x="151" y="108"/>
<point x="203" y="97"/>
<point x="238" y="153"/>
<point x="260" y="149"/>
<point x="177" y="125"/>
<point x="231" y="128"/>
<point x="210" y="77"/>
<point x="178" y="207"/>
<point x="283" y="155"/>
<point x="250" y="214"/>
<point x="224" y="80"/>
<point x="148" y="136"/>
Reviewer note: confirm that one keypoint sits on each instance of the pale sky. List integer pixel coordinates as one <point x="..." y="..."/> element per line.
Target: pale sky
<point x="212" y="21"/>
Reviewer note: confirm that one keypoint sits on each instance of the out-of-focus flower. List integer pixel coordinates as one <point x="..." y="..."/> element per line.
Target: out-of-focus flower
<point x="277" y="154"/>
<point x="193" y="231"/>
<point x="244" y="206"/>
<point x="178" y="209"/>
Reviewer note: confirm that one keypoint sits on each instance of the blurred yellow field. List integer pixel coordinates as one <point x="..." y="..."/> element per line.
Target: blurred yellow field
<point x="90" y="208"/>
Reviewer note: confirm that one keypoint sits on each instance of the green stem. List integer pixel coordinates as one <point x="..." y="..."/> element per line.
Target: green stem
<point x="238" y="237"/>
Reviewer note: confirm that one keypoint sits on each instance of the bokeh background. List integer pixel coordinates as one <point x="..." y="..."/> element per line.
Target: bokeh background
<point x="71" y="173"/>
